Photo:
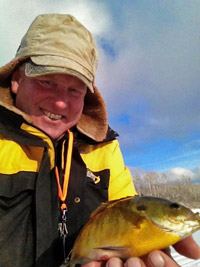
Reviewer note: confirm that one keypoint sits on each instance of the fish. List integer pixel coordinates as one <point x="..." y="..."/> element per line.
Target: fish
<point x="132" y="227"/>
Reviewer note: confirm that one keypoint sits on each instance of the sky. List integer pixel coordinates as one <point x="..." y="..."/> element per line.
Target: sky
<point x="148" y="73"/>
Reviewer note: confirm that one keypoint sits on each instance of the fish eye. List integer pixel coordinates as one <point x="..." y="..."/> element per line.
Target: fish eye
<point x="175" y="206"/>
<point x="141" y="208"/>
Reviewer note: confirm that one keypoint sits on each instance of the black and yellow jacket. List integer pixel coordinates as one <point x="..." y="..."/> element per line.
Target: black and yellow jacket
<point x="29" y="203"/>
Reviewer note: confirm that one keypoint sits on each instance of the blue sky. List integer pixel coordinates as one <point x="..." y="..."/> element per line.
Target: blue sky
<point x="148" y="73"/>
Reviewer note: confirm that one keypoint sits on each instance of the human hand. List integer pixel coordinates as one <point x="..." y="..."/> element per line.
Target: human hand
<point x="187" y="247"/>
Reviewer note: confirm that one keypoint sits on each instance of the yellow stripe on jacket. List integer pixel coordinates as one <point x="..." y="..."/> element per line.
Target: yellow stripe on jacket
<point x="108" y="156"/>
<point x="15" y="158"/>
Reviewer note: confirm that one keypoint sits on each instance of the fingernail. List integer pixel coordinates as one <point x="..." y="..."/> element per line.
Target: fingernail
<point x="157" y="260"/>
<point x="114" y="262"/>
<point x="133" y="262"/>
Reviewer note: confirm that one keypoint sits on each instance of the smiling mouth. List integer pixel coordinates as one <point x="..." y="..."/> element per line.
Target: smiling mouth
<point x="51" y="115"/>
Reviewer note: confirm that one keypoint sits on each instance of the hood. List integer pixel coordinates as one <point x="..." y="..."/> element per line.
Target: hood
<point x="93" y="122"/>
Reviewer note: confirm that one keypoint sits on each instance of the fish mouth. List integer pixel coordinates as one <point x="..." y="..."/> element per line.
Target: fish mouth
<point x="182" y="228"/>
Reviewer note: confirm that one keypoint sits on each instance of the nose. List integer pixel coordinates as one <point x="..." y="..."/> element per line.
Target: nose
<point x="60" y="100"/>
<point x="60" y="104"/>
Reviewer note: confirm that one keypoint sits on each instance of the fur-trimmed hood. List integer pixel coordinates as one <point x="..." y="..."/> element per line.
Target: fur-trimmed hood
<point x="93" y="122"/>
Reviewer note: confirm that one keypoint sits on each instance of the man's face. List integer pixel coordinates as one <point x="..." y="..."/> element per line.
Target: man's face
<point x="54" y="102"/>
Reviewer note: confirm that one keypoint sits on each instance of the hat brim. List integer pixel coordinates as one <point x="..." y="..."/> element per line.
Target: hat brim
<point x="33" y="70"/>
<point x="7" y="70"/>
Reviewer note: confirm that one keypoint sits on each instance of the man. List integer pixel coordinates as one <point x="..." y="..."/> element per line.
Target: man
<point x="59" y="159"/>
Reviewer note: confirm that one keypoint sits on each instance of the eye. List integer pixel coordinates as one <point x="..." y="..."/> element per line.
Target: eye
<point x="46" y="83"/>
<point x="141" y="208"/>
<point x="175" y="206"/>
<point x="74" y="92"/>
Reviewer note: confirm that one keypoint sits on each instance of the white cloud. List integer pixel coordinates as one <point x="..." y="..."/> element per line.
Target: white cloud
<point x="180" y="172"/>
<point x="157" y="66"/>
<point x="16" y="18"/>
<point x="153" y="76"/>
<point x="174" y="175"/>
<point x="197" y="174"/>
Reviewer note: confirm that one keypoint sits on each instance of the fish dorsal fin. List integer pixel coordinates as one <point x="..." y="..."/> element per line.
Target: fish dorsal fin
<point x="108" y="204"/>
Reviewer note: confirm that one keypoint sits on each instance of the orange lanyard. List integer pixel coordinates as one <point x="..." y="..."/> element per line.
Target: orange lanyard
<point x="62" y="192"/>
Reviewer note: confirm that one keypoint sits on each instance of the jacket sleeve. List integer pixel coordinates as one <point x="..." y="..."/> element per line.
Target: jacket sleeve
<point x="121" y="183"/>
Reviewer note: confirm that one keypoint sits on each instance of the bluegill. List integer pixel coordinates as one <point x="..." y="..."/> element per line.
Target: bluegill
<point x="133" y="226"/>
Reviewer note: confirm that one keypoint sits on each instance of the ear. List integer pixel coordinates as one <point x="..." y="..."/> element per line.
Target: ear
<point x="15" y="81"/>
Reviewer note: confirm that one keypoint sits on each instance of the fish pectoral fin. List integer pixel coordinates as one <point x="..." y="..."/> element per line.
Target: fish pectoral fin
<point x="114" y="248"/>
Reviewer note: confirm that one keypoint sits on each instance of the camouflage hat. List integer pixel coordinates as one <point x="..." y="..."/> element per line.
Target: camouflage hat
<point x="57" y="43"/>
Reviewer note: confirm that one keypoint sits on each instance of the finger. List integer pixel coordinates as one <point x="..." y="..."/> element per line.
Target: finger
<point x="167" y="251"/>
<point x="134" y="262"/>
<point x="188" y="247"/>
<point x="114" y="262"/>
<point x="160" y="259"/>
<point x="93" y="264"/>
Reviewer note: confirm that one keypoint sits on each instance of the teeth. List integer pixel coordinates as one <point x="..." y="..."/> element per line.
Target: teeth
<point x="52" y="116"/>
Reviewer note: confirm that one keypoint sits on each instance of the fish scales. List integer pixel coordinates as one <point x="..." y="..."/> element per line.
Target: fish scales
<point x="132" y="226"/>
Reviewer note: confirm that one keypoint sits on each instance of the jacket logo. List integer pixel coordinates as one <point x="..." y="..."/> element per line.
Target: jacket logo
<point x="95" y="179"/>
